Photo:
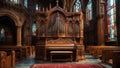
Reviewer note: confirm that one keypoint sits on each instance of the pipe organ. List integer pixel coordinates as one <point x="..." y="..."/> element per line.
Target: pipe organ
<point x="58" y="23"/>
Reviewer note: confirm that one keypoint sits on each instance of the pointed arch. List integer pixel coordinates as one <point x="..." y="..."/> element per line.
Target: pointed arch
<point x="36" y="7"/>
<point x="13" y="15"/>
<point x="34" y="27"/>
<point x="2" y="34"/>
<point x="26" y="3"/>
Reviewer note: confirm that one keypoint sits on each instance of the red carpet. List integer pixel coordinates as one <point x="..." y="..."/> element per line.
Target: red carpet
<point x="66" y="66"/>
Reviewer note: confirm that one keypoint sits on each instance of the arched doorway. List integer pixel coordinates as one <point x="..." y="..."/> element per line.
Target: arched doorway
<point x="8" y="31"/>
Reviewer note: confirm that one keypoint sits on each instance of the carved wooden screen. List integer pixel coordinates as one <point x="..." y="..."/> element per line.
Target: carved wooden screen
<point x="56" y="26"/>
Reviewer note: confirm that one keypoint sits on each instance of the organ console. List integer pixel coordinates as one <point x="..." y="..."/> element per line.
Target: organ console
<point x="60" y="45"/>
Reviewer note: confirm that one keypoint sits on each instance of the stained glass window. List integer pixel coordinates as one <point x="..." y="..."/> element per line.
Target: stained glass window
<point x="34" y="27"/>
<point x="111" y="19"/>
<point x="77" y="6"/>
<point x="26" y="3"/>
<point x="89" y="10"/>
<point x="2" y="34"/>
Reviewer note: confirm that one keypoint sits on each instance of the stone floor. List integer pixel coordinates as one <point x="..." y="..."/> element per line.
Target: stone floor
<point x="29" y="61"/>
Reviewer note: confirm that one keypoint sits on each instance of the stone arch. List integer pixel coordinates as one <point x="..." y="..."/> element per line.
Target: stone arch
<point x="10" y="29"/>
<point x="13" y="15"/>
<point x="18" y="20"/>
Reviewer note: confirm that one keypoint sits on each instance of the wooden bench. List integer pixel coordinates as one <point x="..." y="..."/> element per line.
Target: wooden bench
<point x="116" y="59"/>
<point x="108" y="55"/>
<point x="61" y="54"/>
<point x="96" y="51"/>
<point x="21" y="52"/>
<point x="7" y="59"/>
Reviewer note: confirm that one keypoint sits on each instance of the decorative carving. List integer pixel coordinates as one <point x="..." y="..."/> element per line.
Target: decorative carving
<point x="61" y="41"/>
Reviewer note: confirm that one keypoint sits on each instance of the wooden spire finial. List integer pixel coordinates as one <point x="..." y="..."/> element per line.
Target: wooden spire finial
<point x="57" y="2"/>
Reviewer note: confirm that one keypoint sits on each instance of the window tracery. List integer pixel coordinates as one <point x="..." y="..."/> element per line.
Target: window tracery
<point x="77" y="6"/>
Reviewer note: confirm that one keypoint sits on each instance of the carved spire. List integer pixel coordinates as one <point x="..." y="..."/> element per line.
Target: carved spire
<point x="57" y="2"/>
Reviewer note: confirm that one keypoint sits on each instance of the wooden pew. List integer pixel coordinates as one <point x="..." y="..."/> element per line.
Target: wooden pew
<point x="116" y="59"/>
<point x="7" y="59"/>
<point x="108" y="54"/>
<point x="96" y="51"/>
<point x="18" y="51"/>
<point x="21" y="51"/>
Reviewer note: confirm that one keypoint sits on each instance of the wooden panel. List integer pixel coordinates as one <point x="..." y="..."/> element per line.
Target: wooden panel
<point x="40" y="52"/>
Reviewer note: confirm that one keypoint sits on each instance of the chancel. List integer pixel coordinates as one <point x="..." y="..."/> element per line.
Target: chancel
<point x="59" y="33"/>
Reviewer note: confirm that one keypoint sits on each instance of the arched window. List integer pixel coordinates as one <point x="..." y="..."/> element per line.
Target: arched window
<point x="89" y="10"/>
<point x="2" y="34"/>
<point x="26" y="3"/>
<point x="36" y="6"/>
<point x="77" y="6"/>
<point x="34" y="27"/>
<point x="111" y="19"/>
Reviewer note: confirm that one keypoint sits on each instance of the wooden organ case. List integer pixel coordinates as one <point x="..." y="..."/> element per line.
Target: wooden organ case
<point x="57" y="24"/>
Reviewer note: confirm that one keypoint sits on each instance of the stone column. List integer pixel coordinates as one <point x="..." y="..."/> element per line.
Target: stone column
<point x="64" y="7"/>
<point x="101" y="31"/>
<point x="81" y="25"/>
<point x="80" y="48"/>
<point x="19" y="36"/>
<point x="81" y="40"/>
